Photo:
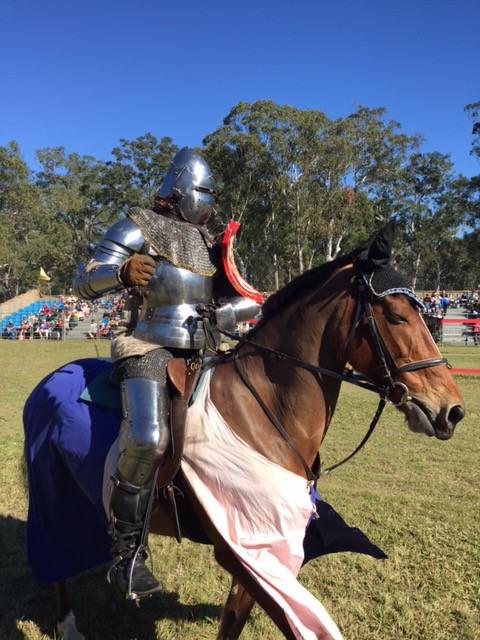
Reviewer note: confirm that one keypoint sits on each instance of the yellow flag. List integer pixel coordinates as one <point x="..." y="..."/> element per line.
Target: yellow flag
<point x="42" y="275"/>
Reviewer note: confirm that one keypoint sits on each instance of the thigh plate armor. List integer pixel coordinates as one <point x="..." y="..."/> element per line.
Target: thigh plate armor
<point x="144" y="434"/>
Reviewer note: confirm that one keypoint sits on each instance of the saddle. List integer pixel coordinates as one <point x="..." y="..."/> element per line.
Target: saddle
<point x="181" y="378"/>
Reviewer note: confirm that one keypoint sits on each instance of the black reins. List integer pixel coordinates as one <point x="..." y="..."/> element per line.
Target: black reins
<point x="386" y="390"/>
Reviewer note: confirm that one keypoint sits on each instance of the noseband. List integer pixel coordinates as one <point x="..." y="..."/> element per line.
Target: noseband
<point x="366" y="296"/>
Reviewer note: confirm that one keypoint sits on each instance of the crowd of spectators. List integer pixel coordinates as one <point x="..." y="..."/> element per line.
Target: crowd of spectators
<point x="436" y="307"/>
<point x="472" y="313"/>
<point x="472" y="305"/>
<point x="55" y="321"/>
<point x="111" y="307"/>
<point x="45" y="324"/>
<point x="438" y="303"/>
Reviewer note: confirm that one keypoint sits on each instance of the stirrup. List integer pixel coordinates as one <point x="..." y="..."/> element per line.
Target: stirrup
<point x="120" y="576"/>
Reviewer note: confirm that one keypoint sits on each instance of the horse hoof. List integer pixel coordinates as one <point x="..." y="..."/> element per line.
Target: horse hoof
<point x="67" y="629"/>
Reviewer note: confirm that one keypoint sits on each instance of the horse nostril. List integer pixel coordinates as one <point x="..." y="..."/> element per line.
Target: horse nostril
<point x="456" y="414"/>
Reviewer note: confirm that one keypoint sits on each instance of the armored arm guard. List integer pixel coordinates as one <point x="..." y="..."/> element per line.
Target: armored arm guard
<point x="236" y="310"/>
<point x="102" y="273"/>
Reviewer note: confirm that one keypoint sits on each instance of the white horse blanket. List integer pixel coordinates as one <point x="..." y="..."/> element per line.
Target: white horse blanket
<point x="260" y="509"/>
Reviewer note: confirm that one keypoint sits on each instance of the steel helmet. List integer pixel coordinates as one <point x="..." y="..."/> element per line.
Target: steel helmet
<point x="189" y="180"/>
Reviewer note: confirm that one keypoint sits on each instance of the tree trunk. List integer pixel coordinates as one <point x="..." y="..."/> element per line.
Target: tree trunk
<point x="329" y="242"/>
<point x="338" y="245"/>
<point x="301" y="268"/>
<point x="415" y="273"/>
<point x="439" y="275"/>
<point x="276" y="274"/>
<point x="311" y="259"/>
<point x="298" y="239"/>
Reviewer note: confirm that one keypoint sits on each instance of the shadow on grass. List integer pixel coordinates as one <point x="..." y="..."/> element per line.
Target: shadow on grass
<point x="25" y="605"/>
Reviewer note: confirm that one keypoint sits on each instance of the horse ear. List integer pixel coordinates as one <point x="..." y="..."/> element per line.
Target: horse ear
<point x="380" y="247"/>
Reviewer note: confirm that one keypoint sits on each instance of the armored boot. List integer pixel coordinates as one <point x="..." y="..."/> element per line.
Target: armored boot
<point x="130" y="508"/>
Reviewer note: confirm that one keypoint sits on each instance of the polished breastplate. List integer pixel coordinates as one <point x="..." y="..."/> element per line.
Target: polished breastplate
<point x="168" y="316"/>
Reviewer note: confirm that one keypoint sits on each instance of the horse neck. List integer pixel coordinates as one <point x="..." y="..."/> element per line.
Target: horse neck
<point x="315" y="327"/>
<point x="312" y="329"/>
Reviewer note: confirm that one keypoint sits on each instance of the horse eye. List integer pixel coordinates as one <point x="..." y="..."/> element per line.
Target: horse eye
<point x="396" y="318"/>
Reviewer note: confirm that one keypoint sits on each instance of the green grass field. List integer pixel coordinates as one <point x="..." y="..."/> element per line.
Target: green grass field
<point x="415" y="497"/>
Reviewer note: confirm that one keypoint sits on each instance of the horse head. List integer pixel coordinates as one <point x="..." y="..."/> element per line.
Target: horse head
<point x="392" y="347"/>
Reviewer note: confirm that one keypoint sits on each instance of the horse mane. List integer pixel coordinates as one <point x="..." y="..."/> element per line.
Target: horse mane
<point x="306" y="281"/>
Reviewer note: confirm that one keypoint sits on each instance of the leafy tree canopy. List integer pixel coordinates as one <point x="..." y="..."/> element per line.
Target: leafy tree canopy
<point x="304" y="187"/>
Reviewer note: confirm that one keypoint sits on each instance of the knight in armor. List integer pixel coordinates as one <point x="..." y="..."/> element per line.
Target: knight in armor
<point x="166" y="259"/>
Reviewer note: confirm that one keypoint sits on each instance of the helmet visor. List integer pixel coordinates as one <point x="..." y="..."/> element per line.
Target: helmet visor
<point x="197" y="205"/>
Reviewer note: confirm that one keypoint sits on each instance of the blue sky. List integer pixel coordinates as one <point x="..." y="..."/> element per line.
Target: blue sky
<point x="85" y="73"/>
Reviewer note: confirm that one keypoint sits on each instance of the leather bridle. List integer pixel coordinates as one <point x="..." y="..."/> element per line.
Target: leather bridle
<point x="386" y="389"/>
<point x="364" y="309"/>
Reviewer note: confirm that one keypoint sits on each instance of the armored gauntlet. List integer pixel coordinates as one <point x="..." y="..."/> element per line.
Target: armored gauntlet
<point x="137" y="270"/>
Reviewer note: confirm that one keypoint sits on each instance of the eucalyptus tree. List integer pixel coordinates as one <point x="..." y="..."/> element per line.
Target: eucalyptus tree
<point x="473" y="109"/>
<point x="473" y="219"/>
<point x="430" y="214"/>
<point x="249" y="155"/>
<point x="268" y="156"/>
<point x="451" y="250"/>
<point x="20" y="216"/>
<point x="87" y="195"/>
<point x="304" y="186"/>
<point x="467" y="192"/>
<point x="362" y="156"/>
<point x="470" y="187"/>
<point x="72" y="192"/>
<point x="136" y="171"/>
<point x="10" y="258"/>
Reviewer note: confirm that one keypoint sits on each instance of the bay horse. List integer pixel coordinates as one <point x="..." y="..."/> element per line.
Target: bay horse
<point x="277" y="391"/>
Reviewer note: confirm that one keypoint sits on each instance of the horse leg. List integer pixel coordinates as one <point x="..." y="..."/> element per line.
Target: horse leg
<point x="235" y="612"/>
<point x="229" y="561"/>
<point x="62" y="601"/>
<point x="65" y="627"/>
